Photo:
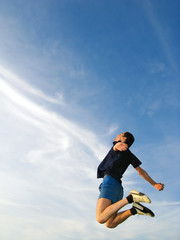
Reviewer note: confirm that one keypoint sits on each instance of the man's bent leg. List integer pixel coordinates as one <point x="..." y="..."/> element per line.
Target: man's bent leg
<point x="102" y="204"/>
<point x="118" y="218"/>
<point x="105" y="209"/>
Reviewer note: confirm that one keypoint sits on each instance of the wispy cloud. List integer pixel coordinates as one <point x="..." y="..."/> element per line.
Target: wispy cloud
<point x="24" y="86"/>
<point x="48" y="155"/>
<point x="164" y="203"/>
<point x="50" y="183"/>
<point x="161" y="34"/>
<point x="38" y="115"/>
<point x="55" y="170"/>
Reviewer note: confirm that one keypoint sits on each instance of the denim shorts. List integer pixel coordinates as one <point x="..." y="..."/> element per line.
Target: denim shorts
<point x="111" y="189"/>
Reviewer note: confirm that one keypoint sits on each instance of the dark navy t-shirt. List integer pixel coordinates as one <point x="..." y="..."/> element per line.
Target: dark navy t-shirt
<point x="115" y="163"/>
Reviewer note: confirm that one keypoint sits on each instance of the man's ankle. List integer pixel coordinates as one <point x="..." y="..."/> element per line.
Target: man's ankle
<point x="129" y="198"/>
<point x="133" y="211"/>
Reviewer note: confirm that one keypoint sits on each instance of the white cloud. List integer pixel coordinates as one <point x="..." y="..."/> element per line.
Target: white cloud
<point x="24" y="86"/>
<point x="48" y="164"/>
<point x="164" y="203"/>
<point x="157" y="67"/>
<point x="162" y="35"/>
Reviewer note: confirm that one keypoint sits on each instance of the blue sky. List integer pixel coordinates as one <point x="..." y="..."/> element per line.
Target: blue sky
<point x="74" y="74"/>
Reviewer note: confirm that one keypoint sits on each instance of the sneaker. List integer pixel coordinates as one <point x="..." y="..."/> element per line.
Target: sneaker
<point x="139" y="196"/>
<point x="142" y="210"/>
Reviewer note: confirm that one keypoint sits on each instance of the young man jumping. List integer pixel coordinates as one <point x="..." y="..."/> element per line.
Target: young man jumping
<point x="111" y="169"/>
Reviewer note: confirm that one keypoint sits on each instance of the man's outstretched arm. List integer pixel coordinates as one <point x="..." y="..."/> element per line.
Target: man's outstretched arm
<point x="144" y="174"/>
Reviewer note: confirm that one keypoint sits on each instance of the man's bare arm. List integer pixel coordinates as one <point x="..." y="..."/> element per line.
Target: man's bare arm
<point x="145" y="175"/>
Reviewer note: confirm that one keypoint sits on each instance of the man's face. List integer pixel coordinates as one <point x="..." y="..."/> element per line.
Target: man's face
<point x="121" y="138"/>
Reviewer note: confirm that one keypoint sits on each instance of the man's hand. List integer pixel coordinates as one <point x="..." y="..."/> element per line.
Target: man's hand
<point x="159" y="186"/>
<point x="120" y="146"/>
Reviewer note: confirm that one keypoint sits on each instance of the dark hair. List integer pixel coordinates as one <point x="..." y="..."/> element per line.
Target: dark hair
<point x="130" y="138"/>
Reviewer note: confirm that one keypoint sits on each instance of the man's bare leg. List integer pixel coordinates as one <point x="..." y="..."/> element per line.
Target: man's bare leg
<point x="106" y="210"/>
<point x="118" y="218"/>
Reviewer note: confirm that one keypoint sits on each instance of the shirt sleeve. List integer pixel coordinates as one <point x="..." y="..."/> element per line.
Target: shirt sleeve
<point x="135" y="162"/>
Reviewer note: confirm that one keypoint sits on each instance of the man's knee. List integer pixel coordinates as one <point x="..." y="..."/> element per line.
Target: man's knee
<point x="100" y="219"/>
<point x="110" y="225"/>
